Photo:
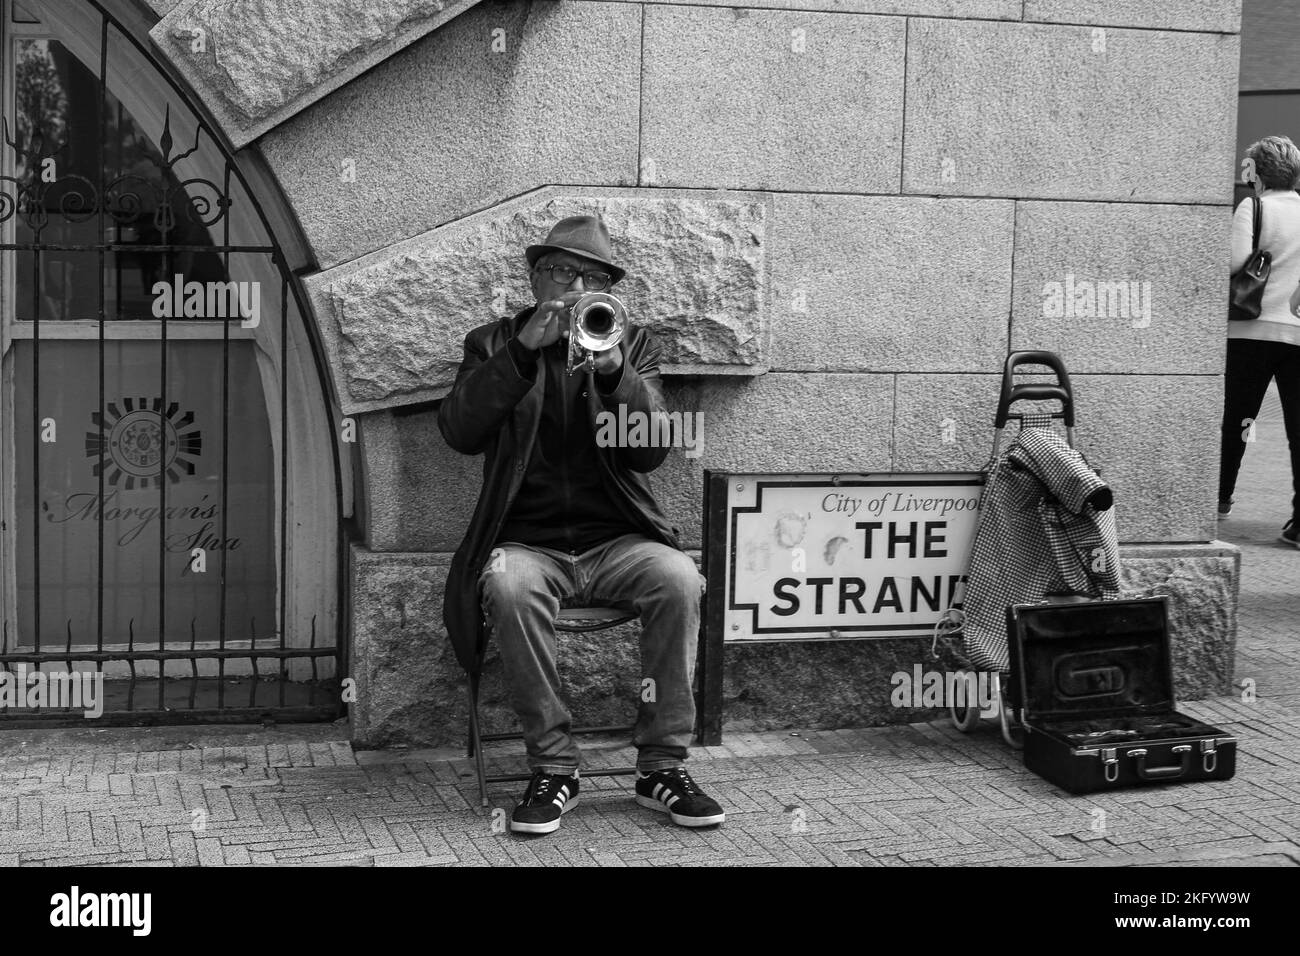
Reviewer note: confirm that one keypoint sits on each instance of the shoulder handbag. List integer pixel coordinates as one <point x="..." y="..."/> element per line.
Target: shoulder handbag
<point x="1248" y="282"/>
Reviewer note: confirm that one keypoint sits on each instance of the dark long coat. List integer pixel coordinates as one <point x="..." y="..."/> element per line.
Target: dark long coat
<point x="492" y="411"/>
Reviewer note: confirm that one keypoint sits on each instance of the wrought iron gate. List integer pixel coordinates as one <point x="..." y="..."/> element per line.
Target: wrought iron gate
<point x="154" y="451"/>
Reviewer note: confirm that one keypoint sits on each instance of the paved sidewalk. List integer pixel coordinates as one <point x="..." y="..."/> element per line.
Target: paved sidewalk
<point x="916" y="795"/>
<point x="1268" y="627"/>
<point x="920" y="794"/>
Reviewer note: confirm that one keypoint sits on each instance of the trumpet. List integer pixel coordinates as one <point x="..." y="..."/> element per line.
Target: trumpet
<point x="596" y="324"/>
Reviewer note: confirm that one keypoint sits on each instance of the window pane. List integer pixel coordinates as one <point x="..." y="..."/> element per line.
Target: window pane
<point x="133" y="449"/>
<point x="61" y="141"/>
<point x="69" y="283"/>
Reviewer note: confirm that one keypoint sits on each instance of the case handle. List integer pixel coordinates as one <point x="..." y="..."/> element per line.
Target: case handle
<point x="1012" y="393"/>
<point x="1184" y="752"/>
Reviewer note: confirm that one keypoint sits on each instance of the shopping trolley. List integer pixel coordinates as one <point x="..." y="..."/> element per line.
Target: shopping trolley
<point x="1045" y="532"/>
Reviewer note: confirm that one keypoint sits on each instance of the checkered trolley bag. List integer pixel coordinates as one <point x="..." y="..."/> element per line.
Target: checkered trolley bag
<point x="1046" y="531"/>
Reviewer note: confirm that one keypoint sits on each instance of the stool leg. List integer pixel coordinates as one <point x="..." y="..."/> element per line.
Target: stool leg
<point x="476" y="745"/>
<point x="471" y="739"/>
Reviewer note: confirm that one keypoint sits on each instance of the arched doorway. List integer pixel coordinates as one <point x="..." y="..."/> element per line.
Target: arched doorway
<point x="171" y="519"/>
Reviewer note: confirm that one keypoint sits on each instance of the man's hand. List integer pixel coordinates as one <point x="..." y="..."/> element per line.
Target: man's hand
<point x="549" y="323"/>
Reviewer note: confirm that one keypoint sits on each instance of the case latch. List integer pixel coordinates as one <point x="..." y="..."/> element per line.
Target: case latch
<point x="1209" y="756"/>
<point x="1110" y="763"/>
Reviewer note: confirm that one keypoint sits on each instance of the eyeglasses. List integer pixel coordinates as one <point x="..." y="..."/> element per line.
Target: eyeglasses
<point x="596" y="281"/>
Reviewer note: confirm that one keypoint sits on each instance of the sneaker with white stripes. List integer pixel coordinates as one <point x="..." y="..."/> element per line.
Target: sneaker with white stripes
<point x="548" y="797"/>
<point x="674" y="792"/>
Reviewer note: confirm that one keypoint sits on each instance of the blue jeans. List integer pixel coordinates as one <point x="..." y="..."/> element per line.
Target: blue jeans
<point x="521" y="589"/>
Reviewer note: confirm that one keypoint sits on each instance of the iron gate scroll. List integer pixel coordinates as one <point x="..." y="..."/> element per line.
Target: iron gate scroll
<point x="148" y="318"/>
<point x="800" y="557"/>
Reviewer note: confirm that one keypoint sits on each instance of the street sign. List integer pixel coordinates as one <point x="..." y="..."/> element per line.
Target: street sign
<point x="799" y="557"/>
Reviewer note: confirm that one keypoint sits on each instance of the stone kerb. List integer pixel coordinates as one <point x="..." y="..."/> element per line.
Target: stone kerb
<point x="394" y="321"/>
<point x="255" y="63"/>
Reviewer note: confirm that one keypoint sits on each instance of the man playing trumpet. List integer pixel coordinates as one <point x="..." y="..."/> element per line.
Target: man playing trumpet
<point x="560" y="517"/>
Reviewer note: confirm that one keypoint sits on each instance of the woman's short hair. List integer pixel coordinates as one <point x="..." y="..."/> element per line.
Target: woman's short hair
<point x="1277" y="162"/>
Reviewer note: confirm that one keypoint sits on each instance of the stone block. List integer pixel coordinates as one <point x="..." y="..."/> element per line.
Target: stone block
<point x="1122" y="288"/>
<point x="400" y="656"/>
<point x="257" y="62"/>
<point x="1155" y="439"/>
<point x="452" y="126"/>
<point x="1013" y="109"/>
<point x="865" y="283"/>
<point x="394" y="322"/>
<point x="438" y="487"/>
<point x="1201" y="583"/>
<point x="796" y="422"/>
<point x="820" y="684"/>
<point x="780" y="100"/>
<point x="381" y="464"/>
<point x="1219" y="16"/>
<point x="945" y="422"/>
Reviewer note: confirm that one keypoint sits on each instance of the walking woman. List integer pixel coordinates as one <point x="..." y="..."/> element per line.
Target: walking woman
<point x="1267" y="348"/>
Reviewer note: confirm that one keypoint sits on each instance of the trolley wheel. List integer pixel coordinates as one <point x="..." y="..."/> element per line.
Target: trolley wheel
<point x="965" y="717"/>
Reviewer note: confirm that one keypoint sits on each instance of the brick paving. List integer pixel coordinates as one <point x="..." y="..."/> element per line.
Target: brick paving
<point x="915" y="795"/>
<point x="918" y="795"/>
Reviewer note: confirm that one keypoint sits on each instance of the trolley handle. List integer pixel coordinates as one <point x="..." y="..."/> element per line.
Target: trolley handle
<point x="1012" y="393"/>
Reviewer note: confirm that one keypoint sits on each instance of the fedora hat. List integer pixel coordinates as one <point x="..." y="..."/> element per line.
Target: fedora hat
<point x="584" y="236"/>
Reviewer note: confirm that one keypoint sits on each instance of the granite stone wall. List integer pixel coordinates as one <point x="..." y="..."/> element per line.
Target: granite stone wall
<point x="410" y="690"/>
<point x="838" y="216"/>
